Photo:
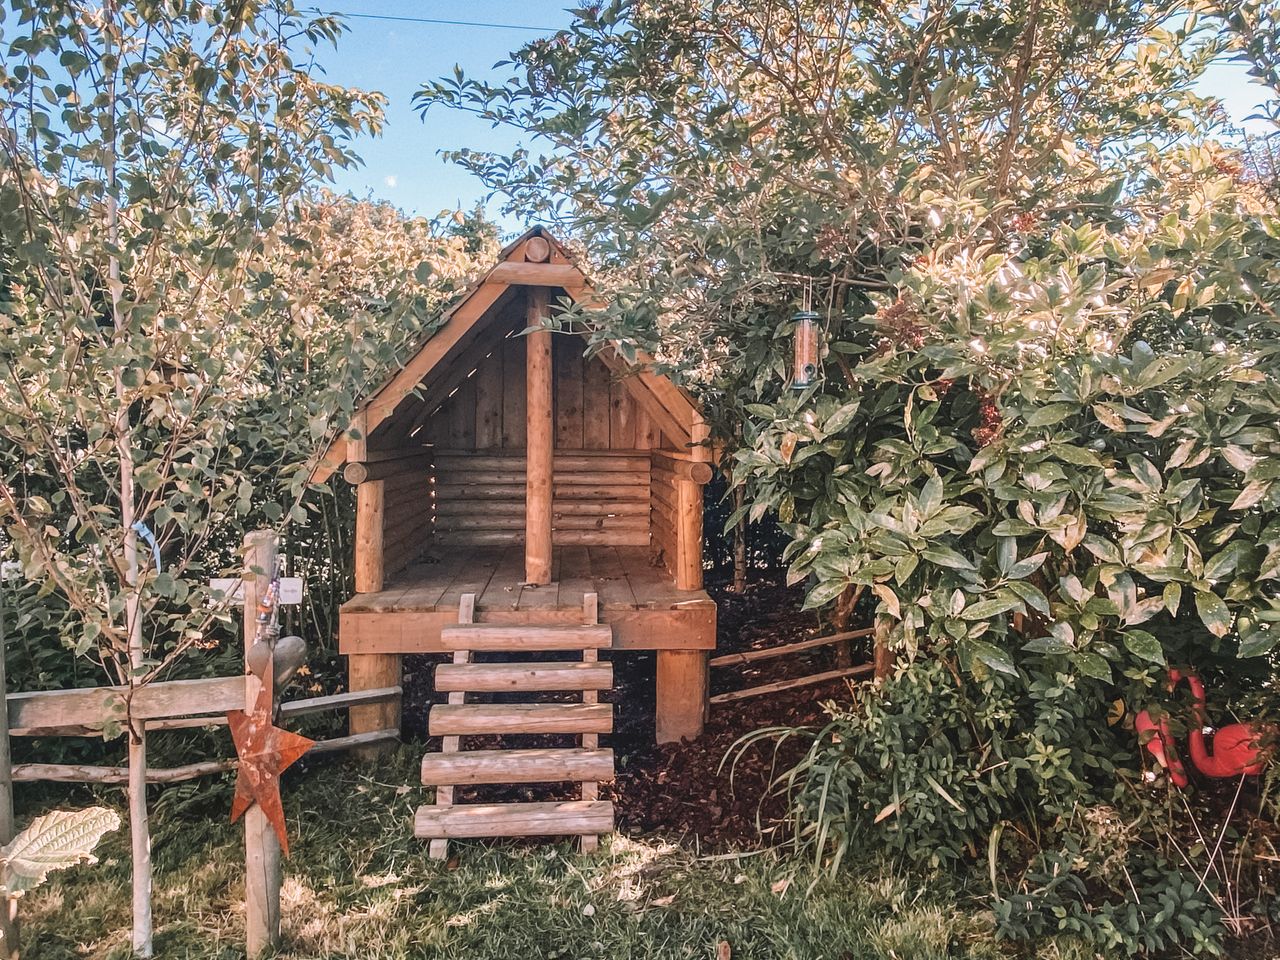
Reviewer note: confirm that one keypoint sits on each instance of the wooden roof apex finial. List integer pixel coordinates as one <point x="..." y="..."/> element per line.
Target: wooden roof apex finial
<point x="537" y="250"/>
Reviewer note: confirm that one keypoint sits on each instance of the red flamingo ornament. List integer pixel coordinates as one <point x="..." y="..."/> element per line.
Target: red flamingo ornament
<point x="1235" y="750"/>
<point x="1158" y="739"/>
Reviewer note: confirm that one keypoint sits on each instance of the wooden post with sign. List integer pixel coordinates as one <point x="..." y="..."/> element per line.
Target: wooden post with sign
<point x="261" y="848"/>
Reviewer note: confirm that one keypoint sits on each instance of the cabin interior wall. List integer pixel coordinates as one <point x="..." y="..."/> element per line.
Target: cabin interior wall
<point x="408" y="517"/>
<point x="602" y="440"/>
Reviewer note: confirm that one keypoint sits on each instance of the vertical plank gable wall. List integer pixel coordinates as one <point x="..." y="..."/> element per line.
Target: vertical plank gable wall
<point x="602" y="439"/>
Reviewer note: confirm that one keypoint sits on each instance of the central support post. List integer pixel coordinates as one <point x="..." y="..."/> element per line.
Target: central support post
<point x="539" y="442"/>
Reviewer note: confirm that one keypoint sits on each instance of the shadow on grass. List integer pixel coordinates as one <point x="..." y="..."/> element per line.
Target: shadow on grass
<point x="360" y="886"/>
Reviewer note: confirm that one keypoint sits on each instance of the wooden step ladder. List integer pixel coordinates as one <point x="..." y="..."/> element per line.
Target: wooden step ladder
<point x="587" y="764"/>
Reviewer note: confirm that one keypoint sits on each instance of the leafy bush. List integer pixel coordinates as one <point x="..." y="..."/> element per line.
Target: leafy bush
<point x="939" y="768"/>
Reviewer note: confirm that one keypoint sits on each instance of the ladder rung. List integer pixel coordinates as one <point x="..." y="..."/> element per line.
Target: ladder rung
<point x="449" y="719"/>
<point x="568" y="818"/>
<point x="517" y="637"/>
<point x="517" y="766"/>
<point x="528" y="677"/>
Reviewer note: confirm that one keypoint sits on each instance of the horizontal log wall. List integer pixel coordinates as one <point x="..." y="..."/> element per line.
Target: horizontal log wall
<point x="408" y="516"/>
<point x="664" y="508"/>
<point x="601" y="498"/>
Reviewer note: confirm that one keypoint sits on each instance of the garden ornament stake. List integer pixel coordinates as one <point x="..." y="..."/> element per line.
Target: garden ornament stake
<point x="1158" y="739"/>
<point x="265" y="750"/>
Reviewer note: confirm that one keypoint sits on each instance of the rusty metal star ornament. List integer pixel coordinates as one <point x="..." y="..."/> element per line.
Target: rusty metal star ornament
<point x="265" y="752"/>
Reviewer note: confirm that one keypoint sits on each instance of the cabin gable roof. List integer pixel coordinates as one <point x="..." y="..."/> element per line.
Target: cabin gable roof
<point x="474" y="319"/>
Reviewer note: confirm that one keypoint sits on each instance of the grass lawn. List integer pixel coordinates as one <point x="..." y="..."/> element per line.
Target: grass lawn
<point x="360" y="886"/>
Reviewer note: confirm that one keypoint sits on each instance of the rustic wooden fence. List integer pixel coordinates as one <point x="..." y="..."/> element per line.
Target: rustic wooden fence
<point x="178" y="705"/>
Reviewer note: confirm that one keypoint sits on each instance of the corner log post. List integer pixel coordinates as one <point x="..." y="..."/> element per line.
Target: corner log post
<point x="540" y="444"/>
<point x="372" y="671"/>
<point x="682" y="675"/>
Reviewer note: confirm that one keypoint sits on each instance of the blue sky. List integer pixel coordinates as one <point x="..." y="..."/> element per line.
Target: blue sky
<point x="394" y="57"/>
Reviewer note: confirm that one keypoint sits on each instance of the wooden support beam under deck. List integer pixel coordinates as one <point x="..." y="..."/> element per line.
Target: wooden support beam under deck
<point x="681" y="707"/>
<point x="540" y="439"/>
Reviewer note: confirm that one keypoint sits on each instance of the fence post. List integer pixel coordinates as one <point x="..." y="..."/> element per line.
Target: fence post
<point x="261" y="848"/>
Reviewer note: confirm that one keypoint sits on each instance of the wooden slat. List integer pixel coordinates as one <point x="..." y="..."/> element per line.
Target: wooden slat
<point x="627" y="537"/>
<point x="489" y="400"/>
<point x="585" y="509"/>
<point x="516" y="492"/>
<point x="471" y="719"/>
<point x="90" y="707"/>
<point x="641" y="389"/>
<point x="450" y="744"/>
<point x="428" y="583"/>
<point x="610" y="576"/>
<point x="442" y="382"/>
<point x="596" y="406"/>
<point x="569" y="396"/>
<point x="590" y="789"/>
<point x="518" y="637"/>
<point x="630" y="529"/>
<point x="524" y="677"/>
<point x="339" y="701"/>
<point x="556" y="818"/>
<point x="501" y="592"/>
<point x="622" y="416"/>
<point x="792" y="684"/>
<point x="460" y="412"/>
<point x="563" y="479"/>
<point x="473" y="576"/>
<point x="517" y="766"/>
<point x="732" y="659"/>
<point x="630" y="458"/>
<point x="513" y="393"/>
<point x="648" y="435"/>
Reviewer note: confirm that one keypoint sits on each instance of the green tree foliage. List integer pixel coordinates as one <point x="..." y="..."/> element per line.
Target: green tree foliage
<point x="186" y="312"/>
<point x="1044" y="437"/>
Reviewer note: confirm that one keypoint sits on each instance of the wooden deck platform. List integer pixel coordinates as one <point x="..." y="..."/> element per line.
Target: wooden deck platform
<point x="637" y="599"/>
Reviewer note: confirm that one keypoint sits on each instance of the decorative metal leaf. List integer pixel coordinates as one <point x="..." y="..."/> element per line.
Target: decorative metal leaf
<point x="53" y="842"/>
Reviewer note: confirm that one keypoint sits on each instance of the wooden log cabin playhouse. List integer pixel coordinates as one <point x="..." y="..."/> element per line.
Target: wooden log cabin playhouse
<point x="514" y="495"/>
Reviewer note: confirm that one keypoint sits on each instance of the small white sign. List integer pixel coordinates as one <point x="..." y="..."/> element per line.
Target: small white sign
<point x="232" y="589"/>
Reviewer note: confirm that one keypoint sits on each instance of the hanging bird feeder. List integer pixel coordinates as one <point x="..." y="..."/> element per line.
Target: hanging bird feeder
<point x="805" y="369"/>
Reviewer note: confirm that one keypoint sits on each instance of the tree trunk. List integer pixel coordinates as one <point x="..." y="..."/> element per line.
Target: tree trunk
<point x="139" y="829"/>
<point x="883" y="652"/>
<point x="739" y="545"/>
<point x="846" y="603"/>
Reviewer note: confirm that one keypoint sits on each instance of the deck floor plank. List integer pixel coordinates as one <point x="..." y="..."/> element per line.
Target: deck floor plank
<point x="547" y="596"/>
<point x="622" y="576"/>
<point x="609" y="576"/>
<point x="477" y="567"/>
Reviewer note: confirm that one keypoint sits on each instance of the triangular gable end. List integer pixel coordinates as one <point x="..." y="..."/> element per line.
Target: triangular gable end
<point x="534" y="259"/>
